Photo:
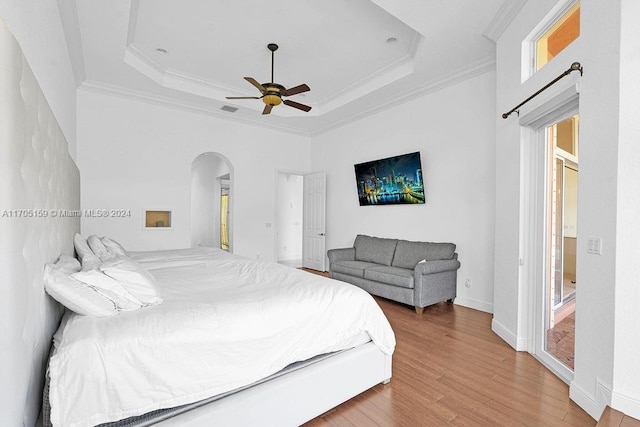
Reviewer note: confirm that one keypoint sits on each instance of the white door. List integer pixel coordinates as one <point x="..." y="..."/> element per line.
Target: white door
<point x="313" y="248"/>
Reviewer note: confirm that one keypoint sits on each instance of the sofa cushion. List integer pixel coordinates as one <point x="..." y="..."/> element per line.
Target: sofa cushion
<point x="408" y="254"/>
<point x="374" y="249"/>
<point x="352" y="268"/>
<point x="395" y="276"/>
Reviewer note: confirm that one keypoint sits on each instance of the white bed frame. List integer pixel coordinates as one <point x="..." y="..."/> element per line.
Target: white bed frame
<point x="296" y="397"/>
<point x="37" y="174"/>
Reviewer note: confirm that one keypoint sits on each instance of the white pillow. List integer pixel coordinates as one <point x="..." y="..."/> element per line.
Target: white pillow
<point x="81" y="245"/>
<point x="135" y="278"/>
<point x="91" y="262"/>
<point x="75" y="295"/>
<point x="113" y="246"/>
<point x="68" y="264"/>
<point x="111" y="288"/>
<point x="98" y="247"/>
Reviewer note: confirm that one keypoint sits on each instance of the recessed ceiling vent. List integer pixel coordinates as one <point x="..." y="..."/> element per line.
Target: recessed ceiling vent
<point x="229" y="108"/>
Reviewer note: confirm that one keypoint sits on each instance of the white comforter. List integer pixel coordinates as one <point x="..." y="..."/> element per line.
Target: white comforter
<point x="226" y="322"/>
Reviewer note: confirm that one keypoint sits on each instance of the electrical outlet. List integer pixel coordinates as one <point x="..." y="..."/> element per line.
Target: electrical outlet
<point x="257" y="256"/>
<point x="467" y="283"/>
<point x="285" y="247"/>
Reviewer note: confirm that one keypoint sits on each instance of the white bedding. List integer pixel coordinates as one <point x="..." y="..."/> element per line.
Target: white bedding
<point x="226" y="322"/>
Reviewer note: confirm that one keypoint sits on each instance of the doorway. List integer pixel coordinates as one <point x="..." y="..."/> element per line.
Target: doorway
<point x="211" y="187"/>
<point x="289" y="211"/>
<point x="562" y="195"/>
<point x="300" y="220"/>
<point x="224" y="215"/>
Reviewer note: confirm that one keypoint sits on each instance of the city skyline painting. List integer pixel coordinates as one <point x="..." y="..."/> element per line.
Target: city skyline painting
<point x="392" y="180"/>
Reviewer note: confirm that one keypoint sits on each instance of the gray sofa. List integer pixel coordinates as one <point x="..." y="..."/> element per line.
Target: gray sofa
<point x="414" y="273"/>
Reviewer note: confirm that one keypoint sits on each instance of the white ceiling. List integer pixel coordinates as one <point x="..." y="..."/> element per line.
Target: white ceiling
<point x="357" y="56"/>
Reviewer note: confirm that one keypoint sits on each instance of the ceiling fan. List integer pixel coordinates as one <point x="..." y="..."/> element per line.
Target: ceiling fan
<point x="272" y="93"/>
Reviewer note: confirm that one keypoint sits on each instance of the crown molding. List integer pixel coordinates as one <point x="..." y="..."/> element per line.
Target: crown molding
<point x="501" y="20"/>
<point x="68" y="10"/>
<point x="133" y="21"/>
<point x="477" y="68"/>
<point x="190" y="107"/>
<point x="472" y="70"/>
<point x="186" y="83"/>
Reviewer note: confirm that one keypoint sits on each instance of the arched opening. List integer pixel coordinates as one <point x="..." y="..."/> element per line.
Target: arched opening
<point x="211" y="193"/>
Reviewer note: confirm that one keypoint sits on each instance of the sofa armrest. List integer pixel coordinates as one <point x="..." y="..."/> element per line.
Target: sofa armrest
<point x="438" y="266"/>
<point x="342" y="254"/>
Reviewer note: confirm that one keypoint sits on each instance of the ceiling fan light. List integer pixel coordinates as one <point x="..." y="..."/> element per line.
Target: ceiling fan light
<point x="271" y="99"/>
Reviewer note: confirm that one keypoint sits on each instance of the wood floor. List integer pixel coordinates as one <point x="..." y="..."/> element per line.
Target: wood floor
<point x="449" y="368"/>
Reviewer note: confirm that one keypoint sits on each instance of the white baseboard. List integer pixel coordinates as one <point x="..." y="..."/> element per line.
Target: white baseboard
<point x="519" y="344"/>
<point x="475" y="304"/>
<point x="624" y="403"/>
<point x="593" y="405"/>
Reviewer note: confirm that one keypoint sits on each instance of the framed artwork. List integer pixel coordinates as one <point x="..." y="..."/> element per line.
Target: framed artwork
<point x="391" y="181"/>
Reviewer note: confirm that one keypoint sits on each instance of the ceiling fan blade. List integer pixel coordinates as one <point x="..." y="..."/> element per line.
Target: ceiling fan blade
<point x="242" y="97"/>
<point x="297" y="105"/>
<point x="298" y="89"/>
<point x="256" y="84"/>
<point x="267" y="109"/>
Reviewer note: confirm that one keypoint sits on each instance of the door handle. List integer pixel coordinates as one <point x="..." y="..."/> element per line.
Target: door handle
<point x="321" y="234"/>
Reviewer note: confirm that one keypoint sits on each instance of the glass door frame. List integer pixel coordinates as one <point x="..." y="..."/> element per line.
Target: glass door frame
<point x="536" y="155"/>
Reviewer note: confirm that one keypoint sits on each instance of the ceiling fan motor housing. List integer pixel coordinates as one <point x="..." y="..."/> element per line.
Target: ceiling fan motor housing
<point x="272" y="95"/>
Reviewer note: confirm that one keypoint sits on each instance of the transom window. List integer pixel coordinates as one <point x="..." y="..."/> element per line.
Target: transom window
<point x="558" y="36"/>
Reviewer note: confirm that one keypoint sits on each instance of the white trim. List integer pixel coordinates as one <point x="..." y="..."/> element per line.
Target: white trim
<point x="593" y="405"/>
<point x="474" y="304"/>
<point x="188" y="106"/>
<point x="503" y="18"/>
<point x="470" y="71"/>
<point x="529" y="42"/>
<point x="68" y="10"/>
<point x="559" y="104"/>
<point x="529" y="276"/>
<point x="509" y="337"/>
<point x="626" y="404"/>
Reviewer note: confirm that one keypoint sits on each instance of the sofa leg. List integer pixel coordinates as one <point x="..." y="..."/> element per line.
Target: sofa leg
<point x="419" y="310"/>
<point x="450" y="301"/>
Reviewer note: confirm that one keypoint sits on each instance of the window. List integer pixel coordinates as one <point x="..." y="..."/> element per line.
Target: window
<point x="558" y="36"/>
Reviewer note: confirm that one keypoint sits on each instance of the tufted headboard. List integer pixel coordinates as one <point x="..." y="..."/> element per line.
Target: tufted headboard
<point x="38" y="179"/>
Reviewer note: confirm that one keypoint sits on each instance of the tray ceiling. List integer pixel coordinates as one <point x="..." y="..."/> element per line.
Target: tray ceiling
<point x="357" y="56"/>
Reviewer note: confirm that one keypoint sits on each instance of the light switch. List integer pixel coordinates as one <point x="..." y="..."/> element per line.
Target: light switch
<point x="594" y="245"/>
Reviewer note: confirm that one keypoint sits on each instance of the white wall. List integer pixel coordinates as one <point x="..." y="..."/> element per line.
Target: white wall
<point x="453" y="129"/>
<point x="289" y="216"/>
<point x="134" y="155"/>
<point x="606" y="306"/>
<point x="37" y="27"/>
<point x="626" y="373"/>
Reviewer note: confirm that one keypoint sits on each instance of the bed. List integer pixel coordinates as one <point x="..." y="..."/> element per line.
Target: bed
<point x="37" y="177"/>
<point x="226" y="322"/>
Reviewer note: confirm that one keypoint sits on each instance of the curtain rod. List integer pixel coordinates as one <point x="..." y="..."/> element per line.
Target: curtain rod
<point x="574" y="67"/>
